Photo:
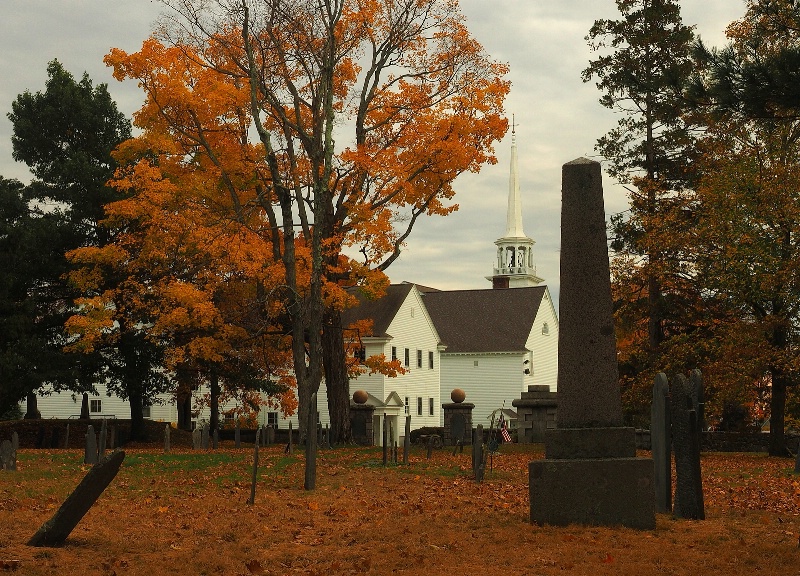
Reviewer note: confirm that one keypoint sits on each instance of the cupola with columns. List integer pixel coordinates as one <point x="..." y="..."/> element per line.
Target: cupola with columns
<point x="514" y="266"/>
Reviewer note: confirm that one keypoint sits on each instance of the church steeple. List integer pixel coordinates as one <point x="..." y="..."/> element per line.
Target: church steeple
<point x="514" y="267"/>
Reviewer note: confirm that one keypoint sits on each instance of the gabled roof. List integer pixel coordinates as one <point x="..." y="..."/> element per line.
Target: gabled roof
<point x="382" y="311"/>
<point x="484" y="320"/>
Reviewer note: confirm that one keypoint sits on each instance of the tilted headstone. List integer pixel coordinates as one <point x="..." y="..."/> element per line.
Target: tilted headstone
<point x="90" y="450"/>
<point x="56" y="530"/>
<point x="8" y="456"/>
<point x="167" y="433"/>
<point x="590" y="474"/>
<point x="661" y="443"/>
<point x="270" y="435"/>
<point x="688" y="501"/>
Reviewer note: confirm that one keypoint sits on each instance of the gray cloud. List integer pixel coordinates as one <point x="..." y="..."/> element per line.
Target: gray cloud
<point x="558" y="116"/>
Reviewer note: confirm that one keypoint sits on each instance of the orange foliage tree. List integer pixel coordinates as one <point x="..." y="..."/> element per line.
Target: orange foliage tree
<point x="322" y="128"/>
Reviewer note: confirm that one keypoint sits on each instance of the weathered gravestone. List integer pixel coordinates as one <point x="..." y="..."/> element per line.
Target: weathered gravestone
<point x="8" y="456"/>
<point x="197" y="438"/>
<point x="103" y="439"/>
<point x="56" y="530"/>
<point x="478" y="452"/>
<point x="90" y="450"/>
<point x="686" y="444"/>
<point x="661" y="443"/>
<point x="205" y="434"/>
<point x="590" y="474"/>
<point x="167" y="439"/>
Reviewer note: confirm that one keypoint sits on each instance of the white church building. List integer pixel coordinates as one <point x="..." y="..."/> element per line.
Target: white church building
<point x="491" y="343"/>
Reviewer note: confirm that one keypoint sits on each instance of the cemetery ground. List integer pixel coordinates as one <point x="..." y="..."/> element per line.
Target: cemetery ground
<point x="186" y="512"/>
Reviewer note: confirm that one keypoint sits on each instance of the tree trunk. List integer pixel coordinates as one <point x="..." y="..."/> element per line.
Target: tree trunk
<point x="777" y="439"/>
<point x="137" y="415"/>
<point x="184" y="407"/>
<point x="336" y="378"/>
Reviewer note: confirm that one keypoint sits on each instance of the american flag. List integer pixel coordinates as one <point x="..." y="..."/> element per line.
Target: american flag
<point x="503" y="425"/>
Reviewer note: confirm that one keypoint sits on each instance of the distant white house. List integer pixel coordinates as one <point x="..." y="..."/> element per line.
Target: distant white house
<point x="491" y="343"/>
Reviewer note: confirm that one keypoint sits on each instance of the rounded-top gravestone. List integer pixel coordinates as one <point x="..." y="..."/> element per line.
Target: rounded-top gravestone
<point x="458" y="395"/>
<point x="360" y="397"/>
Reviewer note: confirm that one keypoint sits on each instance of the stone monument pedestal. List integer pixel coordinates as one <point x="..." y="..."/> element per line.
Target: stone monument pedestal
<point x="592" y="476"/>
<point x="457" y="423"/>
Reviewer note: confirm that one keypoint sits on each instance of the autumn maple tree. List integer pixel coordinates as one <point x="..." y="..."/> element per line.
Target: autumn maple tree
<point x="324" y="129"/>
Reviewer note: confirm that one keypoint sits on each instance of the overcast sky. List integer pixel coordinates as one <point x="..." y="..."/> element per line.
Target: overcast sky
<point x="558" y="117"/>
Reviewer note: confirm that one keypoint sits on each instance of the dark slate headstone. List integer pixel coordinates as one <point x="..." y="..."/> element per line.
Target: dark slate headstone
<point x="90" y="450"/>
<point x="661" y="443"/>
<point x="197" y="438"/>
<point x="56" y="530"/>
<point x="686" y="444"/>
<point x="167" y="433"/>
<point x="103" y="439"/>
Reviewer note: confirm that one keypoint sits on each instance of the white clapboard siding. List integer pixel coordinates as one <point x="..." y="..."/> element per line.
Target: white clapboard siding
<point x="543" y="344"/>
<point x="488" y="380"/>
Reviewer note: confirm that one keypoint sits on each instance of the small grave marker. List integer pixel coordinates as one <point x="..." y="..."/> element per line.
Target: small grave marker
<point x="8" y="456"/>
<point x="90" y="450"/>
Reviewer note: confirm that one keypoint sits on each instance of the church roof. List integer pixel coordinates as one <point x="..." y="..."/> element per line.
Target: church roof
<point x="381" y="311"/>
<point x="484" y="320"/>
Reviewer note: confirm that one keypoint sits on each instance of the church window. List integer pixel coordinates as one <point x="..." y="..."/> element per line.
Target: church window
<point x="430" y="360"/>
<point x="407" y="358"/>
<point x="95" y="406"/>
<point x="394" y="352"/>
<point x="545" y="329"/>
<point x="430" y="406"/>
<point x="419" y="358"/>
<point x="272" y="419"/>
<point x="475" y="363"/>
<point x="419" y="406"/>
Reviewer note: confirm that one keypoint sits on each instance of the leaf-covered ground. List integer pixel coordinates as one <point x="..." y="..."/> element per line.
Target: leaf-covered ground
<point x="187" y="513"/>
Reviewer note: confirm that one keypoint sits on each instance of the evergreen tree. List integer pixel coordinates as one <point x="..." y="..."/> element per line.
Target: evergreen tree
<point x="642" y="66"/>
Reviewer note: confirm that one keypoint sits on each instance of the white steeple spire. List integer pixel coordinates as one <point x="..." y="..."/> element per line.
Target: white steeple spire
<point x="514" y="216"/>
<point x="514" y="266"/>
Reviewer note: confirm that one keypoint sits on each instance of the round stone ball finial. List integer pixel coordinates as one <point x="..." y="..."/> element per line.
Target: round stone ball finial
<point x="457" y="395"/>
<point x="360" y="397"/>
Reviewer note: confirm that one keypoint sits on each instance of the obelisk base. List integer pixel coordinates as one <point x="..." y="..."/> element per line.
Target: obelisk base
<point x="607" y="490"/>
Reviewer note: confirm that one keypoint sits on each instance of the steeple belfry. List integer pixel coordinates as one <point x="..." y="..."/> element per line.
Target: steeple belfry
<point x="514" y="267"/>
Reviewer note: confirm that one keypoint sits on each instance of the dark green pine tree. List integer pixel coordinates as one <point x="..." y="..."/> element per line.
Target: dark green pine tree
<point x="641" y="67"/>
<point x="66" y="135"/>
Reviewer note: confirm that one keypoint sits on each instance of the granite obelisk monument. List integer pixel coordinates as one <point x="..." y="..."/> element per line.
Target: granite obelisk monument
<point x="590" y="474"/>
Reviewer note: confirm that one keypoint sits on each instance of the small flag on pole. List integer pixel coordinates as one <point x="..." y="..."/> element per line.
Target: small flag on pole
<point x="504" y="429"/>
